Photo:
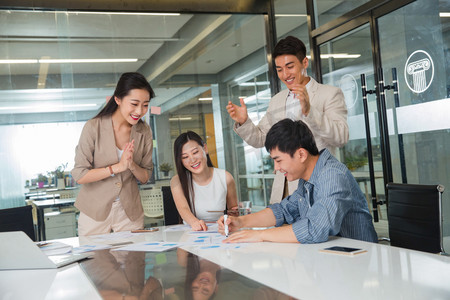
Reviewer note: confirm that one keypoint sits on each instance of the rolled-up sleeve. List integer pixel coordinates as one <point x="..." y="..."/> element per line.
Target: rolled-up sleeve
<point x="287" y="211"/>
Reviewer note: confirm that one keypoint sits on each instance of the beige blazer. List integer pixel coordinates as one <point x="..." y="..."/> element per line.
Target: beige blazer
<point x="97" y="149"/>
<point x="327" y="120"/>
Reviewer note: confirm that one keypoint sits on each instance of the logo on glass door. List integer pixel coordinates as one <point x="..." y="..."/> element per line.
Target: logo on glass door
<point x="349" y="87"/>
<point x="419" y="71"/>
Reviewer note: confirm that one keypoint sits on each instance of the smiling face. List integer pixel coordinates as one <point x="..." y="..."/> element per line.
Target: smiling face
<point x="290" y="70"/>
<point x="204" y="286"/>
<point x="193" y="157"/>
<point x="293" y="167"/>
<point x="133" y="106"/>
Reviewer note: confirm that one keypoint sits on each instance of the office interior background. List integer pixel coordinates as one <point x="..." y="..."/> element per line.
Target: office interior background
<point x="59" y="65"/>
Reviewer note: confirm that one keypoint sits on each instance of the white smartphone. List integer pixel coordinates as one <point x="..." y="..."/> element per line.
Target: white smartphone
<point x="343" y="250"/>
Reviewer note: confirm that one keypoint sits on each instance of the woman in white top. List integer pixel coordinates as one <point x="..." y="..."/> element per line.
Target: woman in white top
<point x="200" y="191"/>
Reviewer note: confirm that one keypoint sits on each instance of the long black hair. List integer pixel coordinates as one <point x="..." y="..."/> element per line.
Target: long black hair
<point x="127" y="82"/>
<point x="185" y="175"/>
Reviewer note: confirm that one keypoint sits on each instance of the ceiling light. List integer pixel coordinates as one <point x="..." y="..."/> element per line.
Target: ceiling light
<point x="104" y="13"/>
<point x="340" y="55"/>
<point x="205" y="99"/>
<point x="254" y="83"/>
<point x="180" y="119"/>
<point x="337" y="55"/>
<point x="66" y="61"/>
<point x="74" y="61"/>
<point x="444" y="14"/>
<point x="47" y="106"/>
<point x="290" y="15"/>
<point x="18" y="61"/>
<point x="121" y="13"/>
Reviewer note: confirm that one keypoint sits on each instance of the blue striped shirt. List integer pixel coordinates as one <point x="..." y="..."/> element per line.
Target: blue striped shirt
<point x="330" y="203"/>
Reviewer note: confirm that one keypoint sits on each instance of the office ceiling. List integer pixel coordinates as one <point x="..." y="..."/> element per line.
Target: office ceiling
<point x="179" y="54"/>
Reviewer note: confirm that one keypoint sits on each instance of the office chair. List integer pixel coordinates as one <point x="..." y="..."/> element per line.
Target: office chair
<point x="18" y="219"/>
<point x="152" y="203"/>
<point x="415" y="216"/>
<point x="171" y="215"/>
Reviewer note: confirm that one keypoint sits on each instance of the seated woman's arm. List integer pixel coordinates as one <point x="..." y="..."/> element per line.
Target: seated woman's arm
<point x="183" y="207"/>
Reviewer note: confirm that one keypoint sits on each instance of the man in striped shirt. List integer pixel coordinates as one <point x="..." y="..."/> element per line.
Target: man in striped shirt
<point x="327" y="202"/>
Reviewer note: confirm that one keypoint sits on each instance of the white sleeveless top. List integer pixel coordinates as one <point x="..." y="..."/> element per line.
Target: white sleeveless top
<point x="212" y="196"/>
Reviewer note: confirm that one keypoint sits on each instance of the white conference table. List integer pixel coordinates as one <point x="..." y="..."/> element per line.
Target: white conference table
<point x="297" y="270"/>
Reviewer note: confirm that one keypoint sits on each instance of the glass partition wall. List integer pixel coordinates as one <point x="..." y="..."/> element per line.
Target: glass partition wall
<point x="58" y="69"/>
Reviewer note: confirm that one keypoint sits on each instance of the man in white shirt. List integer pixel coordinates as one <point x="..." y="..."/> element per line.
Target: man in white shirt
<point x="321" y="107"/>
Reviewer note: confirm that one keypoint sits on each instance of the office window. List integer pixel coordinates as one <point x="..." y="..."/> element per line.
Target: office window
<point x="58" y="68"/>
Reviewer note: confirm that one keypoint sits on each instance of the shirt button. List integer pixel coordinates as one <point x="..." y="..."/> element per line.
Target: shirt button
<point x="118" y="184"/>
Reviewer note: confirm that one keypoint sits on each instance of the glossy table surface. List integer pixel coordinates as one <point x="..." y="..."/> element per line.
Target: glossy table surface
<point x="299" y="271"/>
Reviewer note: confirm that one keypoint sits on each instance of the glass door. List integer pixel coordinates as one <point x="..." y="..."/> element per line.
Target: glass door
<point x="414" y="40"/>
<point x="407" y="113"/>
<point x="343" y="60"/>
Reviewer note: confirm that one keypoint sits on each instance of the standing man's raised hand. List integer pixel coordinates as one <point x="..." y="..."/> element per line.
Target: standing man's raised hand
<point x="238" y="113"/>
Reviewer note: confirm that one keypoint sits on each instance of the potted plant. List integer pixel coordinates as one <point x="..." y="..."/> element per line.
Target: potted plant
<point x="355" y="162"/>
<point x="41" y="179"/>
<point x="59" y="174"/>
<point x="165" y="168"/>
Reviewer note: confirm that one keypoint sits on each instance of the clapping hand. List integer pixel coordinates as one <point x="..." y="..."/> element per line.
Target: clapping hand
<point x="126" y="160"/>
<point x="301" y="94"/>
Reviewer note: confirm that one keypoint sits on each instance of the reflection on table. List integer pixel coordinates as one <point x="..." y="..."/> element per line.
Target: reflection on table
<point x="253" y="271"/>
<point x="175" y="274"/>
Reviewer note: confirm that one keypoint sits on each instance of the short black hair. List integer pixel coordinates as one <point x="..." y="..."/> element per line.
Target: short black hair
<point x="290" y="45"/>
<point x="289" y="136"/>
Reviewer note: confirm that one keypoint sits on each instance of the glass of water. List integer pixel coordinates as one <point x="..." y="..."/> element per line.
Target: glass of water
<point x="245" y="208"/>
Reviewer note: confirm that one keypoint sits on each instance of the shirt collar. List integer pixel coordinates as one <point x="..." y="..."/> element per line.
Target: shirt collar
<point x="324" y="155"/>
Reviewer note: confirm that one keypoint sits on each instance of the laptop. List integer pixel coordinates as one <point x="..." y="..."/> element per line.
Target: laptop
<point x="19" y="252"/>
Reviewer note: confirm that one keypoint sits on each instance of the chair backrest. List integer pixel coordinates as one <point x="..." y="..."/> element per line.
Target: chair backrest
<point x="18" y="219"/>
<point x="152" y="203"/>
<point x="67" y="194"/>
<point x="415" y="216"/>
<point x="171" y="215"/>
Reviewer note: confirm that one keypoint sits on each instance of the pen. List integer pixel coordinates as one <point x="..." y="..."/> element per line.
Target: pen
<point x="225" y="217"/>
<point x="42" y="244"/>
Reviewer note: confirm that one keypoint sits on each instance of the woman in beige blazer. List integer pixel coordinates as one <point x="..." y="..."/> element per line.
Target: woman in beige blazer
<point x="113" y="153"/>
